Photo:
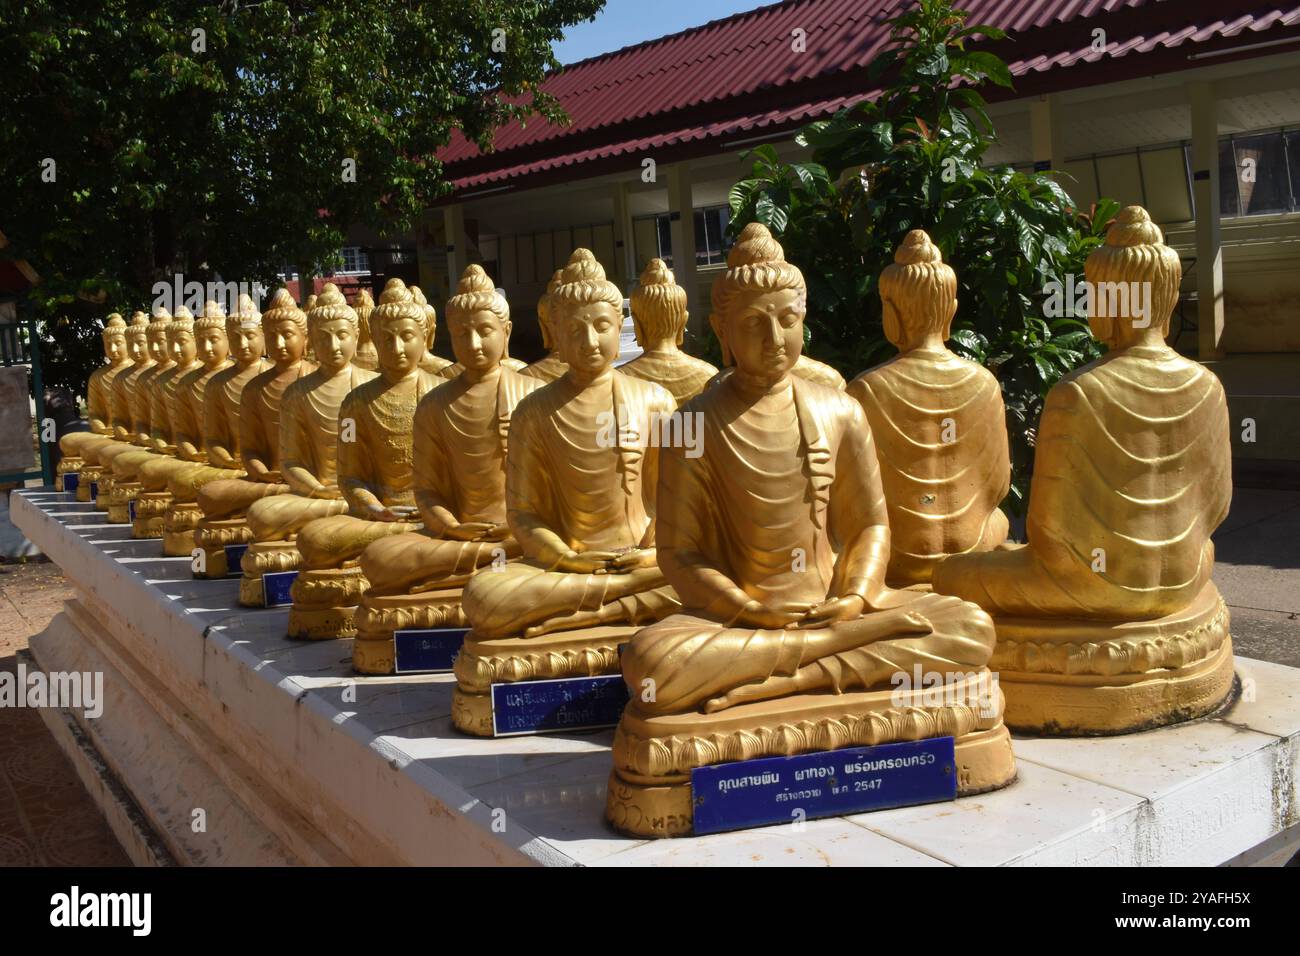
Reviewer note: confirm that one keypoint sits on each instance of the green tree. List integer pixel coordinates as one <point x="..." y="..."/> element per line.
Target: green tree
<point x="912" y="158"/>
<point x="144" y="138"/>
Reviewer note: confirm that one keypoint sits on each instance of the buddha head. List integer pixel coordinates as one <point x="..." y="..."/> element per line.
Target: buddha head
<point x="478" y="318"/>
<point x="586" y="312"/>
<point x="114" y="339"/>
<point x="544" y="310"/>
<point x="1134" y="282"/>
<point x="284" y="329"/>
<point x="159" y="347"/>
<point x="430" y="316"/>
<point x="363" y="303"/>
<point x="399" y="328"/>
<point x="310" y="303"/>
<point x="180" y="337"/>
<point x="137" y="338"/>
<point x="658" y="306"/>
<point x="918" y="293"/>
<point x="210" y="343"/>
<point x="333" y="325"/>
<point x="244" y="333"/>
<point x="759" y="305"/>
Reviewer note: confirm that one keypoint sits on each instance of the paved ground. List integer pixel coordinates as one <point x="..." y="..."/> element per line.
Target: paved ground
<point x="46" y="818"/>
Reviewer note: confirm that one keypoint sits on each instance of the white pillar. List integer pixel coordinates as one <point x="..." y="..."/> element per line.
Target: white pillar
<point x="1209" y="244"/>
<point x="453" y="218"/>
<point x="681" y="211"/>
<point x="1047" y="132"/>
<point x="625" y="262"/>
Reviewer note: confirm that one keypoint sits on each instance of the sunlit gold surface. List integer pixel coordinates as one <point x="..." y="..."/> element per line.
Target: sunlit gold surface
<point x="938" y="422"/>
<point x="659" y="315"/>
<point x="1132" y="475"/>
<point x="579" y="492"/>
<point x="460" y="438"/>
<point x="550" y="366"/>
<point x="776" y="539"/>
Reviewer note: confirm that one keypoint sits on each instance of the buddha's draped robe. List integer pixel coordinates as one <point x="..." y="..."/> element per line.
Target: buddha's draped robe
<point x="377" y="468"/>
<point x="453" y="371"/>
<point x="99" y="397"/>
<point x="683" y="375"/>
<point x="437" y="365"/>
<point x="221" y="397"/>
<point x="120" y="399"/>
<point x="547" y="368"/>
<point x="461" y="432"/>
<point x="164" y="411"/>
<point x="259" y="440"/>
<point x="141" y="397"/>
<point x="309" y="430"/>
<point x="785" y="505"/>
<point x="187" y="412"/>
<point x="575" y="481"/>
<point x="808" y="369"/>
<point x="1133" y="457"/>
<point x="940" y="431"/>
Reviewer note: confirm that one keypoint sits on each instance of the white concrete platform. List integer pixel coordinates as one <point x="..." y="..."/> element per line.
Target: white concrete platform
<point x="209" y="706"/>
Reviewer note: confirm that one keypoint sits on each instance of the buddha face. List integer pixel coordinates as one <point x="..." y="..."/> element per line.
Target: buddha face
<point x="334" y="342"/>
<point x="137" y="347"/>
<point x="586" y="336"/>
<point x="182" y="346"/>
<point x="764" y="333"/>
<point x="158" y="347"/>
<point x="288" y="342"/>
<point x="479" y="339"/>
<point x="115" y="347"/>
<point x="211" y="346"/>
<point x="248" y="344"/>
<point x="400" y="343"/>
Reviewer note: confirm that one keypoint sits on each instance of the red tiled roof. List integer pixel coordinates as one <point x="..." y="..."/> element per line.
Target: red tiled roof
<point x="739" y="75"/>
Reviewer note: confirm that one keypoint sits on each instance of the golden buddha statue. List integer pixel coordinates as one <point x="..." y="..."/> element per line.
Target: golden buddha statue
<point x="550" y="366"/>
<point x="1107" y="620"/>
<point x="99" y="388"/>
<point x="375" y="473"/>
<point x="186" y="413"/>
<point x="220" y="428"/>
<point x="363" y="303"/>
<point x="659" y="316"/>
<point x="309" y="434"/>
<point x="137" y="349"/>
<point x="308" y="304"/>
<point x="434" y="364"/>
<point x="938" y="422"/>
<point x="777" y="540"/>
<point x="580" y="480"/>
<point x="225" y="501"/>
<point x="460" y="484"/>
<point x="139" y="448"/>
<point x="125" y="487"/>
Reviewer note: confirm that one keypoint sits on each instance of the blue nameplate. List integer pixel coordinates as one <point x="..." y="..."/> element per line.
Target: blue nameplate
<point x="275" y="588"/>
<point x="570" y="703"/>
<point x="94" y="490"/>
<point x="829" y="783"/>
<point x="426" y="650"/>
<point x="70" y="480"/>
<point x="130" y="510"/>
<point x="234" y="554"/>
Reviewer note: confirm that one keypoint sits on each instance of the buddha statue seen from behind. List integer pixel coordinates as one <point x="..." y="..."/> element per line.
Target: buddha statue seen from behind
<point x="938" y="423"/>
<point x="1107" y="620"/>
<point x="659" y="316"/>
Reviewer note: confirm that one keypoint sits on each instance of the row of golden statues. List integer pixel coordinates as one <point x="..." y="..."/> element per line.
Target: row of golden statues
<point x="761" y="587"/>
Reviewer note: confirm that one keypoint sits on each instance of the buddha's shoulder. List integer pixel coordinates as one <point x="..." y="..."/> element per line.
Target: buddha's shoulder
<point x="811" y="370"/>
<point x="640" y="391"/>
<point x="518" y="386"/>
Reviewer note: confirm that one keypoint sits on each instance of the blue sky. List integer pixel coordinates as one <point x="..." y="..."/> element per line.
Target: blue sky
<point x="624" y="22"/>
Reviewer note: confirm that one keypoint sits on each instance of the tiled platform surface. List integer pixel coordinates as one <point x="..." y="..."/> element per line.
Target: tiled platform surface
<point x="292" y="759"/>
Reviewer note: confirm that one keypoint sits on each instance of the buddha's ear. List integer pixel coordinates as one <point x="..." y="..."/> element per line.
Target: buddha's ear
<point x="947" y="325"/>
<point x="719" y="327"/>
<point x="506" y="326"/>
<point x="893" y="328"/>
<point x="681" y="333"/>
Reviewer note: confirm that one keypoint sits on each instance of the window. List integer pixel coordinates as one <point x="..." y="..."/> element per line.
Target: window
<point x="355" y="260"/>
<point x="711" y="242"/>
<point x="1263" y="181"/>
